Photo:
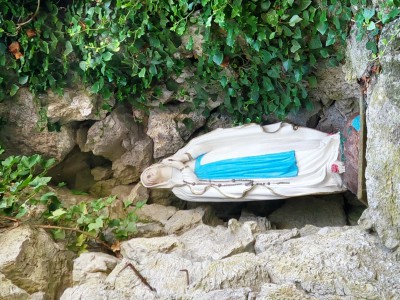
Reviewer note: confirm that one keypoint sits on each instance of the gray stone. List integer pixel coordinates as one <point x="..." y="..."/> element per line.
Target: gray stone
<point x="219" y="242"/>
<point x="138" y="193"/>
<point x="333" y="87"/>
<point x="287" y="291"/>
<point x="103" y="188"/>
<point x="156" y="213"/>
<point x="184" y="220"/>
<point x="9" y="291"/>
<point x="357" y="57"/>
<point x="336" y="262"/>
<point x="31" y="261"/>
<point x="122" y="191"/>
<point x="264" y="241"/>
<point x="128" y="167"/>
<point x="383" y="147"/>
<point x="25" y="131"/>
<point x="73" y="105"/>
<point x="162" y="129"/>
<point x="318" y="211"/>
<point x="114" y="135"/>
<point x="263" y="223"/>
<point x="93" y="267"/>
<point x="101" y="173"/>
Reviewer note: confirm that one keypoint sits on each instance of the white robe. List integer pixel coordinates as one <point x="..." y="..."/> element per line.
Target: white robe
<point x="315" y="153"/>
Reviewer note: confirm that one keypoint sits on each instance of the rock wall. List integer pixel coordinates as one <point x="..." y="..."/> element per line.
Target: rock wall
<point x="383" y="145"/>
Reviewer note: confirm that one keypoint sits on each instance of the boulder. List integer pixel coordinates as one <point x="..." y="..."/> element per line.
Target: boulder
<point x="313" y="210"/>
<point x="128" y="167"/>
<point x="332" y="86"/>
<point x="32" y="262"/>
<point x="383" y="146"/>
<point x="183" y="220"/>
<point x="220" y="263"/>
<point x="73" y="105"/>
<point x="335" y="263"/>
<point x="25" y="131"/>
<point x="164" y="133"/>
<point x="113" y="136"/>
<point x="93" y="267"/>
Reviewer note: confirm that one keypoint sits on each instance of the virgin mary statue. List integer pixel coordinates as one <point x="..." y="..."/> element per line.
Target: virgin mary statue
<point x="251" y="162"/>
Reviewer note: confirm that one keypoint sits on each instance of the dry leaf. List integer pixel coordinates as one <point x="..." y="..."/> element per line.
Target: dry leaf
<point x="14" y="48"/>
<point x="30" y="33"/>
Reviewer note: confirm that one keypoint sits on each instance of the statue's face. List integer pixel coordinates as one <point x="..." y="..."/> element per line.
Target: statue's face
<point x="157" y="175"/>
<point x="151" y="176"/>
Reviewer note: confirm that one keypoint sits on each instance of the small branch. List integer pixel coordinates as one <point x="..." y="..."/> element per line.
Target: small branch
<point x="137" y="273"/>
<point x="19" y="25"/>
<point x="10" y="219"/>
<point x="73" y="229"/>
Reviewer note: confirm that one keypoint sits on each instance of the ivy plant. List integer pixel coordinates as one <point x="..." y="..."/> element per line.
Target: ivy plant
<point x="25" y="198"/>
<point x="261" y="53"/>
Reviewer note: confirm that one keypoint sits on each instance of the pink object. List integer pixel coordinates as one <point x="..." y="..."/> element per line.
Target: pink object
<point x="335" y="168"/>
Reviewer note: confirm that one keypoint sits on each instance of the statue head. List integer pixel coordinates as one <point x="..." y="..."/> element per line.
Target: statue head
<point x="157" y="175"/>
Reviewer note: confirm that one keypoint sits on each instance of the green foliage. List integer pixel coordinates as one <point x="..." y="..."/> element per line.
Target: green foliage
<point x="25" y="197"/>
<point x="261" y="53"/>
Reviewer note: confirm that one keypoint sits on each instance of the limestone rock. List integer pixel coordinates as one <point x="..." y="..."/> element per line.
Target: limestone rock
<point x="9" y="291"/>
<point x="128" y="167"/>
<point x="333" y="87"/>
<point x="103" y="188"/>
<point x="336" y="262"/>
<point x="122" y="191"/>
<point x="282" y="292"/>
<point x="357" y="57"/>
<point x="328" y="263"/>
<point x="93" y="267"/>
<point x="183" y="220"/>
<point x="383" y="151"/>
<point x="74" y="105"/>
<point x="164" y="133"/>
<point x="31" y="261"/>
<point x="161" y="196"/>
<point x="138" y="193"/>
<point x="101" y="173"/>
<point x="218" y="242"/>
<point x="156" y="213"/>
<point x="114" y="135"/>
<point x="264" y="241"/>
<point x="318" y="211"/>
<point x="263" y="223"/>
<point x="24" y="131"/>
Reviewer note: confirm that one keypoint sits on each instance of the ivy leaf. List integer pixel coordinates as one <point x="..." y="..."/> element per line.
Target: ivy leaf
<point x="106" y="56"/>
<point x="304" y="4"/>
<point x="23" y="79"/>
<point x="294" y="20"/>
<point x="68" y="48"/>
<point x="142" y="73"/>
<point x="83" y="65"/>
<point x="218" y="58"/>
<point x="315" y="43"/>
<point x="371" y="26"/>
<point x="322" y="27"/>
<point x="189" y="45"/>
<point x="295" y="46"/>
<point x="14" y="89"/>
<point x="368" y="13"/>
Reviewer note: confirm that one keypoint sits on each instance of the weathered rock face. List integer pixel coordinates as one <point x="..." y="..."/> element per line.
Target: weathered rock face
<point x="23" y="132"/>
<point x="317" y="211"/>
<point x="325" y="263"/>
<point x="74" y="105"/>
<point x="30" y="262"/>
<point x="383" y="147"/>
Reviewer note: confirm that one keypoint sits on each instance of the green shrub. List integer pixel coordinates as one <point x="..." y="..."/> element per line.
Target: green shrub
<point x="26" y="198"/>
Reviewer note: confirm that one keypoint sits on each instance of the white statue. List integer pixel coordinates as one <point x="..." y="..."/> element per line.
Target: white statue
<point x="251" y="162"/>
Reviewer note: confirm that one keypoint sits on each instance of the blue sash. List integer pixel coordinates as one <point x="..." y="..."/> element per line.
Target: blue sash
<point x="276" y="165"/>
